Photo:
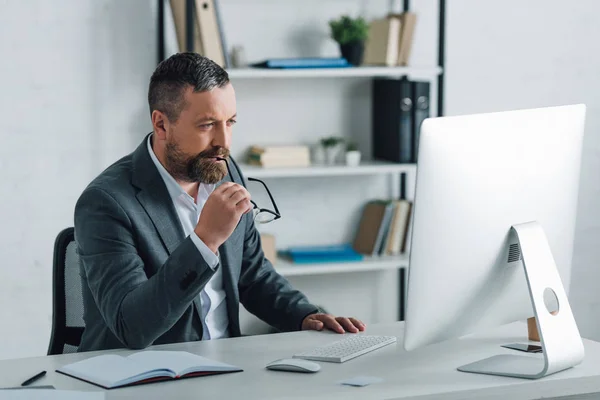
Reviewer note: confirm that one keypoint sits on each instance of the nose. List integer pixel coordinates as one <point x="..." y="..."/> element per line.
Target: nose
<point x="221" y="137"/>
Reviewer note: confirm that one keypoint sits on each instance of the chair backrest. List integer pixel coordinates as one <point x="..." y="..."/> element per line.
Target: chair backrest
<point x="67" y="299"/>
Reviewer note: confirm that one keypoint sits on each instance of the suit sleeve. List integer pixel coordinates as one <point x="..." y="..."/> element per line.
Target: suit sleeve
<point x="137" y="309"/>
<point x="267" y="294"/>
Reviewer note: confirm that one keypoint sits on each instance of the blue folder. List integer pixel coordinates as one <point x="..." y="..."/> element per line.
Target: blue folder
<point x="323" y="254"/>
<point x="304" y="62"/>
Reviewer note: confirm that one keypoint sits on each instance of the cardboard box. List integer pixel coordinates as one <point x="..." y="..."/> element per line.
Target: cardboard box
<point x="268" y="247"/>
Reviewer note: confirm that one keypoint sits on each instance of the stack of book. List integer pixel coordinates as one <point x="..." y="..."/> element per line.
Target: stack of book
<point x="279" y="156"/>
<point x="209" y="37"/>
<point x="384" y="228"/>
<point x="390" y="40"/>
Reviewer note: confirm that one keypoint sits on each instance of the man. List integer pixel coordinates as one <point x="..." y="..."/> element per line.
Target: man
<point x="167" y="241"/>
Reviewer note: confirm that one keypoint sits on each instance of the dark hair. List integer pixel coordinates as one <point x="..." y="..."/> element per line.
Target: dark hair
<point x="173" y="75"/>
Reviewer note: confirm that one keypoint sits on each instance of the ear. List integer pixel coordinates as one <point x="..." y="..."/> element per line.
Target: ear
<point x="160" y="123"/>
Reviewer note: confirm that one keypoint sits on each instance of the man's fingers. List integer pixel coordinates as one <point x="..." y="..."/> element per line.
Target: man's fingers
<point x="245" y="206"/>
<point x="240" y="188"/>
<point x="224" y="187"/>
<point x="316" y="324"/>
<point x="347" y="324"/>
<point x="239" y="196"/>
<point x="331" y="323"/>
<point x="359" y="324"/>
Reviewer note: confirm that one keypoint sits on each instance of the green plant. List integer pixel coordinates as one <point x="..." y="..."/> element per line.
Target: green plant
<point x="351" y="146"/>
<point x="349" y="30"/>
<point x="330" y="141"/>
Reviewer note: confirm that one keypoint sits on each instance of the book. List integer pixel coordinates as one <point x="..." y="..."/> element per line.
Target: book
<point x="398" y="227"/>
<point x="279" y="156"/>
<point x="113" y="371"/>
<point x="304" y="62"/>
<point x="382" y="46"/>
<point x="210" y="35"/>
<point x="372" y="227"/>
<point x="408" y="22"/>
<point x="326" y="253"/>
<point x="217" y="9"/>
<point x="178" y="8"/>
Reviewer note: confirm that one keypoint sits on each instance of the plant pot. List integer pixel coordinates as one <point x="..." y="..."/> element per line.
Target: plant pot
<point x="353" y="52"/>
<point x="318" y="154"/>
<point x="353" y="158"/>
<point x="331" y="153"/>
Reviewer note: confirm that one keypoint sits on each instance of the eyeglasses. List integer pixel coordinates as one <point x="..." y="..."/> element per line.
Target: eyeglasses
<point x="261" y="215"/>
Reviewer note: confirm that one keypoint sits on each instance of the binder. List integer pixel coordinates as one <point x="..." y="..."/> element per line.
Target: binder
<point x="421" y="101"/>
<point x="210" y="36"/>
<point x="226" y="54"/>
<point x="392" y="120"/>
<point x="178" y="8"/>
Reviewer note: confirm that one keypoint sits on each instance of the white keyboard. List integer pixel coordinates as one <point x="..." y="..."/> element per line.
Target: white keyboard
<point x="346" y="349"/>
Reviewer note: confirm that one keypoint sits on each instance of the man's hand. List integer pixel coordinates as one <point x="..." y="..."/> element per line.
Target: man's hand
<point x="221" y="214"/>
<point x="317" y="322"/>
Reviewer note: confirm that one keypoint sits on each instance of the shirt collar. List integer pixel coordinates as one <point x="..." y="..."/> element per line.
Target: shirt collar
<point x="174" y="188"/>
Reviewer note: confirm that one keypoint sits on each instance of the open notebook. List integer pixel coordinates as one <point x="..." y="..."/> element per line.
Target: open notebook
<point x="112" y="371"/>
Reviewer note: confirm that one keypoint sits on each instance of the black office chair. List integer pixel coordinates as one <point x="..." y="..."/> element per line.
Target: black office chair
<point x="67" y="300"/>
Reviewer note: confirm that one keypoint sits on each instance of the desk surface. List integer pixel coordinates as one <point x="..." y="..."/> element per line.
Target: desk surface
<point x="426" y="373"/>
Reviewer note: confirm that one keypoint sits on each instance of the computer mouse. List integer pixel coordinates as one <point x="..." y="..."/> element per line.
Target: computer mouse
<point x="294" y="365"/>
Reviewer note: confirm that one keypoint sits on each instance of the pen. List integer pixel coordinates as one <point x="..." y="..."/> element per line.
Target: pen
<point x="33" y="378"/>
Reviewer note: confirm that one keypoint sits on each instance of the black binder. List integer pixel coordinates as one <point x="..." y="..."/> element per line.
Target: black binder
<point x="420" y="112"/>
<point x="392" y="120"/>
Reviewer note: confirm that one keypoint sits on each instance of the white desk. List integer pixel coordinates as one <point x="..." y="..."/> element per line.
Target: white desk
<point x="427" y="373"/>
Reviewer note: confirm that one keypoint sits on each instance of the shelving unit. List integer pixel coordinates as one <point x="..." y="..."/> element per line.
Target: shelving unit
<point x="365" y="168"/>
<point x="351" y="72"/>
<point x="410" y="71"/>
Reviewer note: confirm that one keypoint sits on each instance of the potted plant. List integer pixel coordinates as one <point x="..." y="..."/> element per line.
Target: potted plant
<point x="350" y="34"/>
<point x="331" y="146"/>
<point x="352" y="154"/>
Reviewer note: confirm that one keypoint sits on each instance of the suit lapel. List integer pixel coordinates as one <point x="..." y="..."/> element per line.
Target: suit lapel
<point x="164" y="217"/>
<point x="155" y="199"/>
<point x="231" y="289"/>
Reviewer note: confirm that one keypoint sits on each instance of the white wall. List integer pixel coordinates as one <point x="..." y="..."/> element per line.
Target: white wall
<point x="74" y="80"/>
<point x="517" y="54"/>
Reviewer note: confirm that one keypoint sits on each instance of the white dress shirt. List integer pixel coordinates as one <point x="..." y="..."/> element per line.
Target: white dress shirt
<point x="215" y="319"/>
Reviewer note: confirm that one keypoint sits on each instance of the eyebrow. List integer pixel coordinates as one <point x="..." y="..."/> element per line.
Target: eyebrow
<point x="208" y="118"/>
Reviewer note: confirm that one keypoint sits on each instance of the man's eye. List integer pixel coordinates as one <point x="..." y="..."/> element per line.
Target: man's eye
<point x="206" y="126"/>
<point x="232" y="122"/>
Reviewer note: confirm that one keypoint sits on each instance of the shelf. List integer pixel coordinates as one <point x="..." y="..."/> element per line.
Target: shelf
<point x="351" y="72"/>
<point x="365" y="168"/>
<point x="287" y="268"/>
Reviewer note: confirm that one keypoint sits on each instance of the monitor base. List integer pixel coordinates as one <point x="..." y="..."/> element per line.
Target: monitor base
<point x="559" y="335"/>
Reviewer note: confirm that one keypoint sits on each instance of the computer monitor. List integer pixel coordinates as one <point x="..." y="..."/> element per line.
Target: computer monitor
<point x="493" y="228"/>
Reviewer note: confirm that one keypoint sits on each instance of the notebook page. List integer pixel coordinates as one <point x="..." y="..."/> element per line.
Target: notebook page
<point x="179" y="361"/>
<point x="108" y="370"/>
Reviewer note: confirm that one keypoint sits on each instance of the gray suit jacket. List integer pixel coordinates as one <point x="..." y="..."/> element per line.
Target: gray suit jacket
<point x="141" y="277"/>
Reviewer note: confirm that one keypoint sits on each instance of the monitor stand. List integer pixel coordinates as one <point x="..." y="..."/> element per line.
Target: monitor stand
<point x="559" y="336"/>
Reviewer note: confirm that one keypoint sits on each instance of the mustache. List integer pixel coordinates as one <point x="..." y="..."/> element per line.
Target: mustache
<point x="212" y="153"/>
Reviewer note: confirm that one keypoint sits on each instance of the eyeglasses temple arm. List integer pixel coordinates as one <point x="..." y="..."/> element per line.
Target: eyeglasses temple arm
<point x="268" y="192"/>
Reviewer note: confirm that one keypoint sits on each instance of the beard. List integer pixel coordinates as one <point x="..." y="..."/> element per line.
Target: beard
<point x="199" y="168"/>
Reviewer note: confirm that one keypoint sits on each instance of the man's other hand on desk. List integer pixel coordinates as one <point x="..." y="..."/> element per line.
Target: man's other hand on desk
<point x="317" y="322"/>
